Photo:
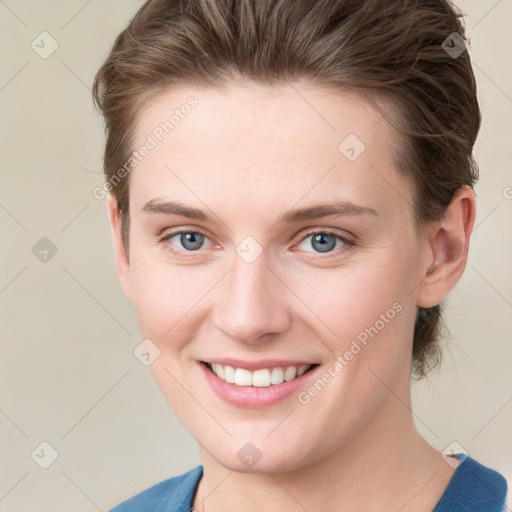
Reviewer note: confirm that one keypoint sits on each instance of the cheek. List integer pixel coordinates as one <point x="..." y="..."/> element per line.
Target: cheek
<point x="170" y="300"/>
<point x="352" y="300"/>
<point x="365" y="317"/>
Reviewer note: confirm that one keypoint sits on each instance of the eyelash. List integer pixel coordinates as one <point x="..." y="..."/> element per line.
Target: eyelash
<point x="191" y="254"/>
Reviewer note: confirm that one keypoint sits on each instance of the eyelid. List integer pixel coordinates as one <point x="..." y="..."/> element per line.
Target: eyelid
<point x="171" y="232"/>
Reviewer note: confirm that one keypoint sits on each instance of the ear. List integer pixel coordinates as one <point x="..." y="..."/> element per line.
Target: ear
<point x="448" y="243"/>
<point x="121" y="258"/>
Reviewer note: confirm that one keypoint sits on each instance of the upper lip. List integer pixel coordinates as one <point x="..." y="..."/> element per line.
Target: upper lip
<point x="257" y="365"/>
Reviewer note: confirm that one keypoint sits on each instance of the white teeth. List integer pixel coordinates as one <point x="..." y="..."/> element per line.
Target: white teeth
<point x="262" y="378"/>
<point x="229" y="374"/>
<point x="243" y="377"/>
<point x="290" y="373"/>
<point x="218" y="369"/>
<point x="277" y="376"/>
<point x="302" y="369"/>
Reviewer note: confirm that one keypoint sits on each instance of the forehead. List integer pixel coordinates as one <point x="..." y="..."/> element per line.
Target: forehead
<point x="277" y="145"/>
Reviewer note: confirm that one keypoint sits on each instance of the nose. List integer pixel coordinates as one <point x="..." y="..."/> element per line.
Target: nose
<point x="253" y="302"/>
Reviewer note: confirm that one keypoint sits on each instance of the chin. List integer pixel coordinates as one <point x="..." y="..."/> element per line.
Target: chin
<point x="257" y="459"/>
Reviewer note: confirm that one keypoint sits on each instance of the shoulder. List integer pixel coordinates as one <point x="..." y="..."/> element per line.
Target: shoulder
<point x="474" y="488"/>
<point x="172" y="495"/>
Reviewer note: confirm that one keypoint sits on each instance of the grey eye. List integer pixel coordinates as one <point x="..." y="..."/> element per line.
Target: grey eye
<point x="190" y="241"/>
<point x="323" y="242"/>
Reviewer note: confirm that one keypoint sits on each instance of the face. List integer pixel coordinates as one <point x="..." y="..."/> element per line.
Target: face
<point x="271" y="232"/>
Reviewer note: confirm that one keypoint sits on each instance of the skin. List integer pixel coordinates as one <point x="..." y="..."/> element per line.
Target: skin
<point x="246" y="155"/>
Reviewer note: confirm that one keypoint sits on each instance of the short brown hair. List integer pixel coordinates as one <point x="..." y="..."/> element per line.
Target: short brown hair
<point x="395" y="50"/>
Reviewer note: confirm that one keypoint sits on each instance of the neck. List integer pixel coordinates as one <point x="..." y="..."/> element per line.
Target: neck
<point x="386" y="465"/>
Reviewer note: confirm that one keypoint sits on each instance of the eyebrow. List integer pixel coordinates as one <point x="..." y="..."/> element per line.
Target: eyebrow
<point x="338" y="208"/>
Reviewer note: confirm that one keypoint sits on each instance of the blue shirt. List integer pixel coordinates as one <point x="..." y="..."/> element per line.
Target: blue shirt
<point x="472" y="488"/>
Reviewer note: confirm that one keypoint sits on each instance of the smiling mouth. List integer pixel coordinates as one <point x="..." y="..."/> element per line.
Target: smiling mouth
<point x="262" y="378"/>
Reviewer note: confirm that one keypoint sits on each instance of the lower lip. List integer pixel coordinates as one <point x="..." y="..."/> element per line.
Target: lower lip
<point x="254" y="397"/>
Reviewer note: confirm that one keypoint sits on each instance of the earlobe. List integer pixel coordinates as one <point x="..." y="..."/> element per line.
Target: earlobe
<point x="121" y="258"/>
<point x="448" y="249"/>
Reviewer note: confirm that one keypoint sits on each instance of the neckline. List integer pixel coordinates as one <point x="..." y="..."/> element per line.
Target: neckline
<point x="473" y="486"/>
<point x="458" y="492"/>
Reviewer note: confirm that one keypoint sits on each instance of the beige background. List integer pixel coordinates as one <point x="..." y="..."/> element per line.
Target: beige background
<point x="68" y="375"/>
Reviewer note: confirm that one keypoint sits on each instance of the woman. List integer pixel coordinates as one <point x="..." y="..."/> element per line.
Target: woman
<point x="290" y="191"/>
